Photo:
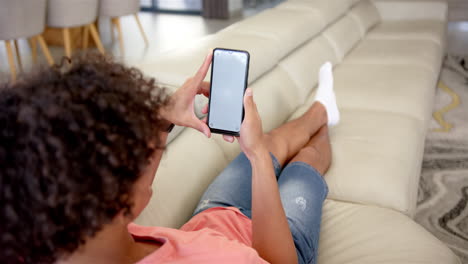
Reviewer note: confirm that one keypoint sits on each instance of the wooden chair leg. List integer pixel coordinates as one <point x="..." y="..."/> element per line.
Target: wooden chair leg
<point x="18" y="55"/>
<point x="85" y="37"/>
<point x="45" y="50"/>
<point x="33" y="44"/>
<point x="116" y="22"/>
<point x="141" y="28"/>
<point x="112" y="31"/>
<point x="95" y="36"/>
<point x="67" y="42"/>
<point x="11" y="60"/>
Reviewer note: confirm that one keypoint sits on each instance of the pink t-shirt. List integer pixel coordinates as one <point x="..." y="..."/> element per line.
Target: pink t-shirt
<point x="217" y="235"/>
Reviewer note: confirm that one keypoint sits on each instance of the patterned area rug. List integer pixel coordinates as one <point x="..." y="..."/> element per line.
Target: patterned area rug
<point x="443" y="190"/>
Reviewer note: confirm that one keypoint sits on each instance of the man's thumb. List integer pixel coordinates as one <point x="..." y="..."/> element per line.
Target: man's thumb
<point x="248" y="99"/>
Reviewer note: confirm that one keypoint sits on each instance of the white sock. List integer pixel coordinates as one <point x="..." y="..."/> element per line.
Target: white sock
<point x="326" y="95"/>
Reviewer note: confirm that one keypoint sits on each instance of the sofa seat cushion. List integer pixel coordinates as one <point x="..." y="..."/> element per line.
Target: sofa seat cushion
<point x="415" y="52"/>
<point x="433" y="30"/>
<point x="288" y="26"/>
<point x="188" y="166"/>
<point x="376" y="159"/>
<point x="353" y="233"/>
<point x="401" y="89"/>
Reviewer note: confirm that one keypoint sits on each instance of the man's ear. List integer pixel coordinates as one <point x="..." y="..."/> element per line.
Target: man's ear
<point x="124" y="218"/>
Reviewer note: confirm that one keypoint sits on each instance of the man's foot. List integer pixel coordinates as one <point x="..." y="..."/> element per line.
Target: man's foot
<point x="325" y="94"/>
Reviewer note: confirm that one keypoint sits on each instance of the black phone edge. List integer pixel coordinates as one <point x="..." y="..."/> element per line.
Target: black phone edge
<point x="220" y="131"/>
<point x="224" y="132"/>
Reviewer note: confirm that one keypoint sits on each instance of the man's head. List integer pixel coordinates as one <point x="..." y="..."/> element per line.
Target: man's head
<point x="74" y="140"/>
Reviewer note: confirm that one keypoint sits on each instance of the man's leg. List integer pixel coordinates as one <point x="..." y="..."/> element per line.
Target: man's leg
<point x="285" y="141"/>
<point x="233" y="186"/>
<point x="303" y="191"/>
<point x="317" y="152"/>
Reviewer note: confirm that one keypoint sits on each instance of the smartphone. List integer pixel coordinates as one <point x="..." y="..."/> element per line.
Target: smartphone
<point x="229" y="78"/>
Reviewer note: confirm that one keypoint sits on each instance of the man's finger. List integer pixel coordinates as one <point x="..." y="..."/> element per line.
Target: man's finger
<point x="204" y="68"/>
<point x="189" y="80"/>
<point x="229" y="139"/>
<point x="204" y="89"/>
<point x="202" y="127"/>
<point x="248" y="100"/>
<point x="205" y="109"/>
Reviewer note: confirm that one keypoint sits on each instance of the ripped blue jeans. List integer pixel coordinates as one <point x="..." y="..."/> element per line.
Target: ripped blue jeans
<point x="302" y="190"/>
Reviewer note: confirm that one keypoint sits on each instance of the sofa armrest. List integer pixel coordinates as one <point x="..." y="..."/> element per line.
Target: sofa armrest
<point x="412" y="10"/>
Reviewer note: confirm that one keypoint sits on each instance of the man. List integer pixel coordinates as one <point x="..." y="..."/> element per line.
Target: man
<point x="80" y="146"/>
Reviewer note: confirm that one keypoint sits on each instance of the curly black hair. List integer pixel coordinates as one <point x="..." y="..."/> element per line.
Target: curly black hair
<point x="74" y="139"/>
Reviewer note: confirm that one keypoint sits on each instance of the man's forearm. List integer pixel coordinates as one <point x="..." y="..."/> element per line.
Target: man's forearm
<point x="271" y="234"/>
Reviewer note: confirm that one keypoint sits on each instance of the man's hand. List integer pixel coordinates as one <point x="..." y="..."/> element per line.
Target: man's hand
<point x="251" y="134"/>
<point x="181" y="111"/>
<point x="271" y="236"/>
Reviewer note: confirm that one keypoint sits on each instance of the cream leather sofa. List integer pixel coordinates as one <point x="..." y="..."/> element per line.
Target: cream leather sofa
<point x="387" y="56"/>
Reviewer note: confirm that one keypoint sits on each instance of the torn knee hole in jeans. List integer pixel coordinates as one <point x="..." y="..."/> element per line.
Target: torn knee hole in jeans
<point x="301" y="202"/>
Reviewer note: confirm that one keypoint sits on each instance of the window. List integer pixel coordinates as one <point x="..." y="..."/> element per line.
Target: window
<point x="174" y="6"/>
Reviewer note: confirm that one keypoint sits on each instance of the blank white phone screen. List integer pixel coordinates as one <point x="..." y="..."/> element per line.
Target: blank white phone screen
<point x="227" y="90"/>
